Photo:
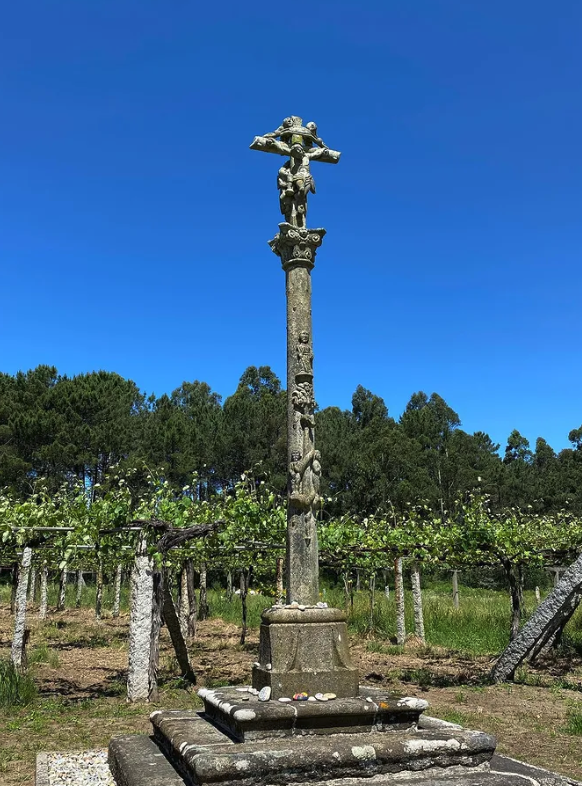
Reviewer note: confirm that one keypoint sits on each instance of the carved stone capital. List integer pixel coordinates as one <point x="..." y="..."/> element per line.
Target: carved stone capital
<point x="296" y="246"/>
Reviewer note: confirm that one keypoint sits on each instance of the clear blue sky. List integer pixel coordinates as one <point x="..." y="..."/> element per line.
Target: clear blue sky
<point x="134" y="219"/>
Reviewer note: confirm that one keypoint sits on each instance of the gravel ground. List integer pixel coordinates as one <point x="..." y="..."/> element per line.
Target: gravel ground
<point x="84" y="768"/>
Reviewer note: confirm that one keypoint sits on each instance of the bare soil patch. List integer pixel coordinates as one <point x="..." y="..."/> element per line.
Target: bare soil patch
<point x="82" y="695"/>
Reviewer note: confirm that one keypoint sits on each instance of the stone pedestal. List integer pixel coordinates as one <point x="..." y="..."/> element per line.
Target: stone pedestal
<point x="188" y="750"/>
<point x="304" y="650"/>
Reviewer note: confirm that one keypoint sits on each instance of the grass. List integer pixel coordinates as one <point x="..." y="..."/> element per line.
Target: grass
<point x="457" y="640"/>
<point x="42" y="654"/>
<point x="231" y="611"/>
<point x="479" y="627"/>
<point x="15" y="688"/>
<point x="574" y="721"/>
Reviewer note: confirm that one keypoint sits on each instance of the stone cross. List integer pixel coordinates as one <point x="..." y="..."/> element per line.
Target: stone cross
<point x="296" y="245"/>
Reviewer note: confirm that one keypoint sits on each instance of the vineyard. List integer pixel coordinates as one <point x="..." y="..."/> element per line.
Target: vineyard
<point x="433" y="597"/>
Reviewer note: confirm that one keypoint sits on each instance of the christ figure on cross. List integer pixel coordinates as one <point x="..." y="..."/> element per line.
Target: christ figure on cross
<point x="294" y="180"/>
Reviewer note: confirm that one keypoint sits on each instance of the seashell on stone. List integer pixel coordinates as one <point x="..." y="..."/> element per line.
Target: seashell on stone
<point x="329" y="696"/>
<point x="311" y="698"/>
<point x="243" y="690"/>
<point x="265" y="693"/>
<point x="285" y="699"/>
<point x="268" y="667"/>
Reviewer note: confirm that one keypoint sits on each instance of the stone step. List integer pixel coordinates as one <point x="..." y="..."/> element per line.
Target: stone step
<point x="176" y="730"/>
<point x="246" y="718"/>
<point x="136" y="760"/>
<point x="309" y="759"/>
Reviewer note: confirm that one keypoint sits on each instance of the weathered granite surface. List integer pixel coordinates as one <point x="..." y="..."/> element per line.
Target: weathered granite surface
<point x="340" y="755"/>
<point x="135" y="760"/>
<point x="197" y="753"/>
<point x="296" y="246"/>
<point x="305" y="651"/>
<point x="548" y="618"/>
<point x="246" y="718"/>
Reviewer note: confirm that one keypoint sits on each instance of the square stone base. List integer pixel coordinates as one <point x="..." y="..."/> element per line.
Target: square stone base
<point x="304" y="650"/>
<point x="188" y="750"/>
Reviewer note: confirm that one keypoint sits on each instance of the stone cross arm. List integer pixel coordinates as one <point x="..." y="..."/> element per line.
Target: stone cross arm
<point x="270" y="145"/>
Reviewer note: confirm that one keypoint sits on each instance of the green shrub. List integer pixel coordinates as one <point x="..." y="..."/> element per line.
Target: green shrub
<point x="15" y="687"/>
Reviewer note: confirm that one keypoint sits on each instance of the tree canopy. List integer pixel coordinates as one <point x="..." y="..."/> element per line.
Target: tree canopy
<point x="74" y="429"/>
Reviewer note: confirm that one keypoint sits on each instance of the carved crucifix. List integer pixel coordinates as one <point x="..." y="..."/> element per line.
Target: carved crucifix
<point x="296" y="245"/>
<point x="294" y="179"/>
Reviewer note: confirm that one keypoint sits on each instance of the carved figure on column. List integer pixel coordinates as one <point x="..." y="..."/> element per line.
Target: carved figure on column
<point x="286" y="192"/>
<point x="305" y="473"/>
<point x="296" y="246"/>
<point x="303" y="408"/>
<point x="293" y="131"/>
<point x="304" y="355"/>
<point x="295" y="181"/>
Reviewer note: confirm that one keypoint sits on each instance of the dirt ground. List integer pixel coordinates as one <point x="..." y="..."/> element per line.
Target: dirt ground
<point x="82" y="690"/>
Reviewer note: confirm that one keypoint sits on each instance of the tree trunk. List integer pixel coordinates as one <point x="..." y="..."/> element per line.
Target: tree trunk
<point x="203" y="605"/>
<point x="19" y="637"/>
<point x="280" y="588"/>
<point x="62" y="590"/>
<point x="417" y="601"/>
<point x="31" y="585"/>
<point x="140" y="624"/>
<point x="357" y="579"/>
<point x="229" y="589"/>
<point x="99" y="589"/>
<point x="173" y="624"/>
<point x="154" y="648"/>
<point x="549" y="617"/>
<point x="36" y="586"/>
<point x="193" y="615"/>
<point x="347" y="583"/>
<point x="456" y="589"/>
<point x="80" y="584"/>
<point x="184" y="601"/>
<point x="244" y="588"/>
<point x="399" y="593"/>
<point x="514" y="574"/>
<point x="43" y="591"/>
<point x="372" y="587"/>
<point x="14" y="586"/>
<point x="538" y="595"/>
<point x="117" y="590"/>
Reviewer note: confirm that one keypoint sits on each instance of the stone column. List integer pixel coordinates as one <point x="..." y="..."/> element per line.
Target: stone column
<point x="19" y="636"/>
<point x="302" y="647"/>
<point x="296" y="248"/>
